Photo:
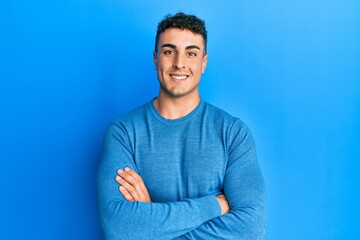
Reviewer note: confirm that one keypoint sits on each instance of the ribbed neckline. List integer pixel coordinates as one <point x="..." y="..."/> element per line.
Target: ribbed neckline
<point x="178" y="120"/>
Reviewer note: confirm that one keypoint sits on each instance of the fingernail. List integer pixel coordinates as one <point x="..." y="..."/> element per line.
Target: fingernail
<point x="127" y="169"/>
<point x="118" y="178"/>
<point x="122" y="188"/>
<point x="120" y="171"/>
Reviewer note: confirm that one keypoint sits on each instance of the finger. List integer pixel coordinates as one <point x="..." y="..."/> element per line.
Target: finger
<point x="118" y="179"/>
<point x="142" y="187"/>
<point x="129" y="188"/>
<point x="137" y="178"/>
<point x="132" y="178"/>
<point x="127" y="176"/>
<point x="126" y="194"/>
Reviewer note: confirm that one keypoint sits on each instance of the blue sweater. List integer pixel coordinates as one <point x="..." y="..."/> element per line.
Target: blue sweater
<point x="184" y="163"/>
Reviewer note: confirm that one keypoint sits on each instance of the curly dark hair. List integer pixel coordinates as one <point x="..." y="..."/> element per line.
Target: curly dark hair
<point x="182" y="21"/>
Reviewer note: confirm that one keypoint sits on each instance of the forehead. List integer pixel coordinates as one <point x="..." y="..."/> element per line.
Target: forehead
<point x="181" y="38"/>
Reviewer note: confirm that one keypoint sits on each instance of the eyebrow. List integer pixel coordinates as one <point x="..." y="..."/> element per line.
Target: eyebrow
<point x="192" y="46"/>
<point x="174" y="46"/>
<point x="168" y="45"/>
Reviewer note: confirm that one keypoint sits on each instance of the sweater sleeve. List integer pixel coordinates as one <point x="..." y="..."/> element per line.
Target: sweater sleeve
<point x="244" y="189"/>
<point x="121" y="219"/>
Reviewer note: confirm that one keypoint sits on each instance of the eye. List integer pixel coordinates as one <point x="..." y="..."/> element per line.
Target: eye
<point x="168" y="52"/>
<point x="192" y="54"/>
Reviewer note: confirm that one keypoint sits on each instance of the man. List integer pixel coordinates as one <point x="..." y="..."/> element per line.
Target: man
<point x="178" y="167"/>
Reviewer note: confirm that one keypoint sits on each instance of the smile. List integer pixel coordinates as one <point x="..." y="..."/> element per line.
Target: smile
<point x="179" y="77"/>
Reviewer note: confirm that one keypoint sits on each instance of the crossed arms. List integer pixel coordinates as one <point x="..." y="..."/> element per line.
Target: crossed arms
<point x="133" y="188"/>
<point x="132" y="215"/>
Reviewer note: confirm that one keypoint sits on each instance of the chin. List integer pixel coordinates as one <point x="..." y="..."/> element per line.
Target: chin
<point x="177" y="93"/>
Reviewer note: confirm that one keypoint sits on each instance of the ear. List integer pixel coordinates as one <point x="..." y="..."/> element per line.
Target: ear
<point x="204" y="63"/>
<point x="155" y="59"/>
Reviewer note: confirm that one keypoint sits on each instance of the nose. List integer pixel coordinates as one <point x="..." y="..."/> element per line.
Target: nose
<point x="179" y="61"/>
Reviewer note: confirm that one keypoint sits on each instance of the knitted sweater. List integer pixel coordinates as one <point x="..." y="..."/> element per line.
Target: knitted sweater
<point x="184" y="163"/>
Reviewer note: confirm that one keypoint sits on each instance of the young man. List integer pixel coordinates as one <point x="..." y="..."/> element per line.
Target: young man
<point x="178" y="167"/>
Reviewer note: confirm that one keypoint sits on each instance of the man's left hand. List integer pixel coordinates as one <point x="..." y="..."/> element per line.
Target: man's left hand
<point x="132" y="186"/>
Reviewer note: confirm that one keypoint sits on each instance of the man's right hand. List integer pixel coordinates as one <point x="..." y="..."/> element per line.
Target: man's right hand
<point x="224" y="204"/>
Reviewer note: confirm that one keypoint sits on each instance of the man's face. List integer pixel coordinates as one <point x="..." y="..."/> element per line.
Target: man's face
<point x="180" y="61"/>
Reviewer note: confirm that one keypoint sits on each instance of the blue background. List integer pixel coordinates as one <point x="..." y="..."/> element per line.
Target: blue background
<point x="290" y="69"/>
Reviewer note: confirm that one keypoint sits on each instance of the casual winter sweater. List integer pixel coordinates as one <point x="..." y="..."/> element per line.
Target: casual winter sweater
<point x="184" y="163"/>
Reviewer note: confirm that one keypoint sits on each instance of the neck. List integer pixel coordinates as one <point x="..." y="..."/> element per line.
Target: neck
<point x="174" y="108"/>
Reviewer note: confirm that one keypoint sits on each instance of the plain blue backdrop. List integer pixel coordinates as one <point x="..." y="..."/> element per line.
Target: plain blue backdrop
<point x="289" y="69"/>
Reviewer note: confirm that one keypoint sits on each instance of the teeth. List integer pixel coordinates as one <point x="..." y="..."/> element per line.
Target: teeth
<point x="179" y="77"/>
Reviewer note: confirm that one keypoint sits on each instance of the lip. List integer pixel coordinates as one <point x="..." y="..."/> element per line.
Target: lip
<point x="178" y="77"/>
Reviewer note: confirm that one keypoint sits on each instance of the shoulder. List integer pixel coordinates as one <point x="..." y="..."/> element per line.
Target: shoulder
<point x="233" y="126"/>
<point x="135" y="115"/>
<point x="221" y="115"/>
<point x="126" y="124"/>
<point x="236" y="134"/>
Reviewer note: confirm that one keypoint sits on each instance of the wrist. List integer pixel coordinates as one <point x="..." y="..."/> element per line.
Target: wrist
<point x="224" y="205"/>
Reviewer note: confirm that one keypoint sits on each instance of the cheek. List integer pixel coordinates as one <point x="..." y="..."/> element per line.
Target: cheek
<point x="200" y="68"/>
<point x="164" y="65"/>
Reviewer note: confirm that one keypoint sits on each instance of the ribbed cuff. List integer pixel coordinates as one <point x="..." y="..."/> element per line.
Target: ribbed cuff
<point x="209" y="207"/>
